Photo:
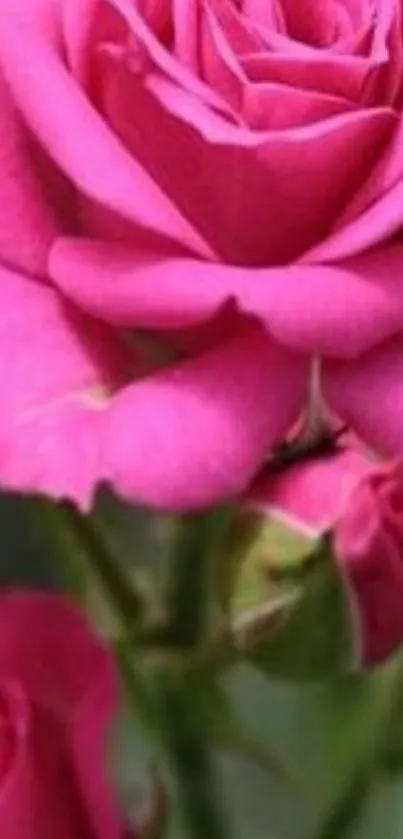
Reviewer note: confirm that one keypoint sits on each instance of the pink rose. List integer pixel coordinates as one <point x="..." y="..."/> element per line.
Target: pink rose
<point x="196" y="198"/>
<point x="361" y="503"/>
<point x="57" y="696"/>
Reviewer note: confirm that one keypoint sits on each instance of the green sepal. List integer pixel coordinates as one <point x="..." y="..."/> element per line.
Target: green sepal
<point x="298" y="622"/>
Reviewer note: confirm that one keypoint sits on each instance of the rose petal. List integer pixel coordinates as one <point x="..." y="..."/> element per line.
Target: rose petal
<point x="240" y="199"/>
<point x="46" y="646"/>
<point x="266" y="14"/>
<point x="239" y="29"/>
<point x="49" y="349"/>
<point x="114" y="178"/>
<point x="56" y="453"/>
<point x="349" y="76"/>
<point x="337" y="311"/>
<point x="374" y="214"/>
<point x="311" y="495"/>
<point x="196" y="434"/>
<point x="58" y="368"/>
<point x="163" y="60"/>
<point x="377" y="224"/>
<point x="28" y="221"/>
<point x="368" y="394"/>
<point x="185" y="18"/>
<point x="183" y="436"/>
<point x="262" y="105"/>
<point x="61" y="681"/>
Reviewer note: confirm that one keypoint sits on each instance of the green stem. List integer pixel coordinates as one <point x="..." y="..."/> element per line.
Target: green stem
<point x="121" y="594"/>
<point x="165" y="684"/>
<point x="348" y="807"/>
<point x="186" y="736"/>
<point x="200" y="808"/>
<point x="189" y="596"/>
<point x="191" y="764"/>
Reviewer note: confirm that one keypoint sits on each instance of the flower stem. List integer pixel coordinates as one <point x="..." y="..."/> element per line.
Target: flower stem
<point x="385" y="718"/>
<point x="120" y="592"/>
<point x="180" y="684"/>
<point x="185" y="740"/>
<point x="189" y="592"/>
<point x="164" y="680"/>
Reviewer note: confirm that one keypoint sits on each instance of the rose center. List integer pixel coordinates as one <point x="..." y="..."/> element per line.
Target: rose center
<point x="158" y="14"/>
<point x="318" y="23"/>
<point x="322" y="24"/>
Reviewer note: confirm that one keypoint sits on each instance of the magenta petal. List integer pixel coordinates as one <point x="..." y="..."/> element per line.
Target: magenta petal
<point x="59" y="680"/>
<point x="311" y="495"/>
<point x="56" y="453"/>
<point x="374" y="214"/>
<point x="57" y="372"/>
<point x="241" y="200"/>
<point x="370" y="548"/>
<point x="332" y="310"/>
<point x="72" y="126"/>
<point x="184" y="436"/>
<point x="368" y="394"/>
<point x="193" y="435"/>
<point x="46" y="646"/>
<point x="28" y="224"/>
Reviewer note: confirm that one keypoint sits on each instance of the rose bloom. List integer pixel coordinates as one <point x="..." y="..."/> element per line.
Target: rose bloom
<point x="57" y="697"/>
<point x="197" y="197"/>
<point x="359" y="502"/>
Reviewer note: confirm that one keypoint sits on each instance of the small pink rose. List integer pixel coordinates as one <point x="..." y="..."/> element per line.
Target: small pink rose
<point x="164" y="163"/>
<point x="361" y="503"/>
<point x="57" y="698"/>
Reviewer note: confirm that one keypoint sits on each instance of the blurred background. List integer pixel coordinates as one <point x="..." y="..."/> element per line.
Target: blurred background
<point x="312" y="761"/>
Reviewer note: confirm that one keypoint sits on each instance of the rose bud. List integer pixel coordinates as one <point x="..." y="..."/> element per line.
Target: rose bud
<point x="359" y="503"/>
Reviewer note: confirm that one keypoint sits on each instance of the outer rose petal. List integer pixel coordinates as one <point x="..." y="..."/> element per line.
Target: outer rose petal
<point x="56" y="453"/>
<point x="107" y="173"/>
<point x="54" y="362"/>
<point x="49" y="350"/>
<point x="196" y="434"/>
<point x="184" y="436"/>
<point x="368" y="394"/>
<point x="60" y="686"/>
<point x="332" y="310"/>
<point x="375" y="212"/>
<point x="28" y="224"/>
<point x="47" y="646"/>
